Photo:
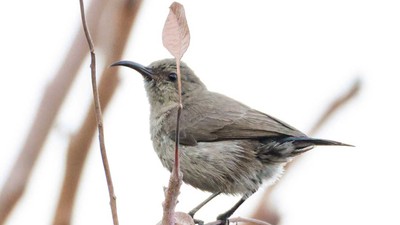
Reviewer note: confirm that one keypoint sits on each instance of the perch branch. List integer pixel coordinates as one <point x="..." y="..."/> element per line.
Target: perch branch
<point x="241" y="220"/>
<point x="176" y="38"/>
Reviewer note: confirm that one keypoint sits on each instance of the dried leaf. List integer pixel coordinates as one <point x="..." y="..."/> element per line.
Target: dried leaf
<point x="183" y="219"/>
<point x="176" y="36"/>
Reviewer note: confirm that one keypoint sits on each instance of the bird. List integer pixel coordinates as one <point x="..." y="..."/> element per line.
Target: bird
<point x="225" y="146"/>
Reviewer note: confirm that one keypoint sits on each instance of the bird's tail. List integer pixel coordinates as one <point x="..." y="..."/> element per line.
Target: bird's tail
<point x="303" y="144"/>
<point x="280" y="150"/>
<point x="307" y="141"/>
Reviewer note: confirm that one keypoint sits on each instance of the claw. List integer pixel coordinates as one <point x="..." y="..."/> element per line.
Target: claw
<point x="199" y="222"/>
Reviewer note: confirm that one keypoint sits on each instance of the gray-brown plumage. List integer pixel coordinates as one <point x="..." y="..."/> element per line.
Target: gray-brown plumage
<point x="226" y="147"/>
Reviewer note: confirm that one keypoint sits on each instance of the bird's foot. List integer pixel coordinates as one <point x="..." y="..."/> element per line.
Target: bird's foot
<point x="199" y="222"/>
<point x="223" y="218"/>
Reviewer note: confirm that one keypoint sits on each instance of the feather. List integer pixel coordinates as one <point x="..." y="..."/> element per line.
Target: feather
<point x="211" y="116"/>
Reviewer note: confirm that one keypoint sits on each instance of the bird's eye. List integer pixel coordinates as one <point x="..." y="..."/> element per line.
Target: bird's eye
<point x="172" y="76"/>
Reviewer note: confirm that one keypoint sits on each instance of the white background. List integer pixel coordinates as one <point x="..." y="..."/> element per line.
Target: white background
<point x="287" y="58"/>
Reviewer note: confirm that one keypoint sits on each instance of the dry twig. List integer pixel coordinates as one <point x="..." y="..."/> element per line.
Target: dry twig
<point x="176" y="38"/>
<point x="122" y="17"/>
<point x="99" y="118"/>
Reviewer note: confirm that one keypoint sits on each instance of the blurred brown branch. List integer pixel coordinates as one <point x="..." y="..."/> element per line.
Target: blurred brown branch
<point x="336" y="105"/>
<point x="122" y="15"/>
<point x="265" y="210"/>
<point x="52" y="99"/>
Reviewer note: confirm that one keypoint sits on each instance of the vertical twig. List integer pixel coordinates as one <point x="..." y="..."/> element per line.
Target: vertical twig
<point x="78" y="150"/>
<point x="176" y="38"/>
<point x="113" y="200"/>
<point x="122" y="17"/>
<point x="178" y="119"/>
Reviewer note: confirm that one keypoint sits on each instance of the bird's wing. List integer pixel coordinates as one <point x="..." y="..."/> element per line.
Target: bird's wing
<point x="214" y="117"/>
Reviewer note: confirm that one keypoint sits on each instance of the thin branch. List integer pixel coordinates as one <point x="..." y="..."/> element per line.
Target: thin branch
<point x="175" y="180"/>
<point x="178" y="119"/>
<point x="122" y="18"/>
<point x="171" y="199"/>
<point x="99" y="118"/>
<point x="78" y="149"/>
<point x="176" y="38"/>
<point x="241" y="220"/>
<point x="248" y="220"/>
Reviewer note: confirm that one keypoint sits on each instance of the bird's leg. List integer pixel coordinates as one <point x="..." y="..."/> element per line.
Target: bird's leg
<point x="197" y="208"/>
<point x="224" y="216"/>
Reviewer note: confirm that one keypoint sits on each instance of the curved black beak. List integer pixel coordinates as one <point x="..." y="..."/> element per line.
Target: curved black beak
<point x="145" y="71"/>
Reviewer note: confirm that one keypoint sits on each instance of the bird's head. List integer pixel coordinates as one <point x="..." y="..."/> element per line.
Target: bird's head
<point x="161" y="80"/>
